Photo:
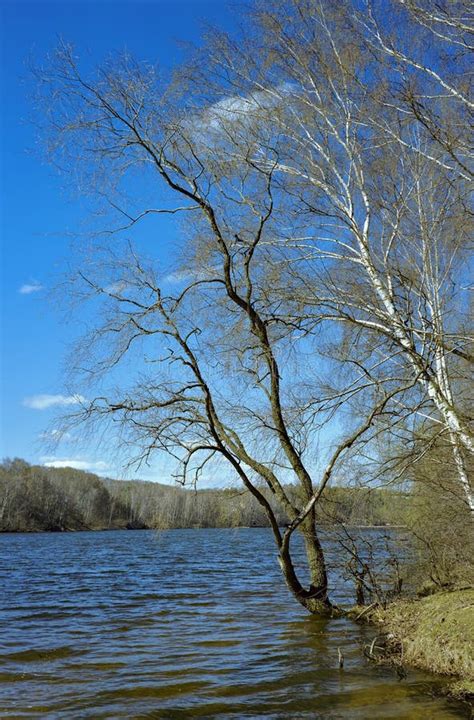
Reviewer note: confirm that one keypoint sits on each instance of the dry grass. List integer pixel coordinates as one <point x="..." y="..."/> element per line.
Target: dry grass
<point x="435" y="633"/>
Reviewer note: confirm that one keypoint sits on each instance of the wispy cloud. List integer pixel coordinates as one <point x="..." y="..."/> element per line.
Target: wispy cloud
<point x="188" y="276"/>
<point x="43" y="402"/>
<point x="253" y="107"/>
<point x="178" y="277"/>
<point x="98" y="466"/>
<point x="116" y="288"/>
<point x="55" y="436"/>
<point x="29" y="288"/>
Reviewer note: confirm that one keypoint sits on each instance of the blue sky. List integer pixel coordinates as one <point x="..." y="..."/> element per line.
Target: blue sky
<point x="37" y="215"/>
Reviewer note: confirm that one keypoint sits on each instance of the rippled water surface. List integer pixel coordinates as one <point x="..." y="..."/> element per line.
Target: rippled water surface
<point x="180" y="624"/>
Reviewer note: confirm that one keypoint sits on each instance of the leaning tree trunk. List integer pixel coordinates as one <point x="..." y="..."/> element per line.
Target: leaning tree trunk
<point x="314" y="598"/>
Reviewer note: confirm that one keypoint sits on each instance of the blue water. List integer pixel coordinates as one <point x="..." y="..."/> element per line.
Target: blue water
<point x="182" y="624"/>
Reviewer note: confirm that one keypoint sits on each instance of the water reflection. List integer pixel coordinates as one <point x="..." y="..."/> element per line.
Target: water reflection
<point x="180" y="624"/>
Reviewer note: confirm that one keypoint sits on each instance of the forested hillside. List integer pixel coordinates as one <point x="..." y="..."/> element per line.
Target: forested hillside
<point x="36" y="498"/>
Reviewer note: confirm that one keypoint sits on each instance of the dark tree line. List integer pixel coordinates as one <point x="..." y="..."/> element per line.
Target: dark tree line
<point x="36" y="498"/>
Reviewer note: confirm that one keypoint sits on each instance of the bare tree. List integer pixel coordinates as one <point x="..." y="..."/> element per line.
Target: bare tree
<point x="379" y="225"/>
<point x="316" y="214"/>
<point x="237" y="376"/>
<point x="431" y="65"/>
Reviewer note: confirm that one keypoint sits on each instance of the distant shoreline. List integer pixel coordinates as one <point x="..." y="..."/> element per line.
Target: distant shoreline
<point x="68" y="531"/>
<point x="44" y="499"/>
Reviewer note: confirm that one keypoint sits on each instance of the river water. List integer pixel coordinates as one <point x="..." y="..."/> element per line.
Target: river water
<point x="181" y="624"/>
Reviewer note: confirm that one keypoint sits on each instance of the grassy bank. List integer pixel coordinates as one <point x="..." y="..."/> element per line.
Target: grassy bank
<point x="435" y="633"/>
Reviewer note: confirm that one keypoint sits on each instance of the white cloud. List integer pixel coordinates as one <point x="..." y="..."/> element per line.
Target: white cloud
<point x="188" y="276"/>
<point x="247" y="108"/>
<point x="116" y="288"/>
<point x="29" y="288"/>
<point x="92" y="466"/>
<point x="55" y="436"/>
<point x="178" y="277"/>
<point x="43" y="402"/>
<point x="232" y="108"/>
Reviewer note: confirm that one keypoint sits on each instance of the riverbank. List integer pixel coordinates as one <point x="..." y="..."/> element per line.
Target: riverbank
<point x="434" y="633"/>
